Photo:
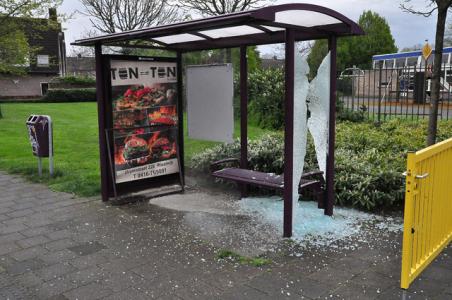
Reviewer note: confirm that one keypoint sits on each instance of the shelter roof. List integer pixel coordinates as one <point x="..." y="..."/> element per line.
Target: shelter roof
<point x="266" y="25"/>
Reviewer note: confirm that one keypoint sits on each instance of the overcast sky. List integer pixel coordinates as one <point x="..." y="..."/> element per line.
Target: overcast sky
<point x="407" y="29"/>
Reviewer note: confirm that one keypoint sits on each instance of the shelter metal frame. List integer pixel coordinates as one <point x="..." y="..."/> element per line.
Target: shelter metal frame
<point x="287" y="23"/>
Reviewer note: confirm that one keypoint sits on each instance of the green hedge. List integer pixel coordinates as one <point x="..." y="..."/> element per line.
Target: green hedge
<point x="70" y="95"/>
<point x="370" y="159"/>
<point x="77" y="80"/>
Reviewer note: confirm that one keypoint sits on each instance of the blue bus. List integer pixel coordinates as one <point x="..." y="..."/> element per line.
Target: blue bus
<point x="408" y="59"/>
<point x="406" y="64"/>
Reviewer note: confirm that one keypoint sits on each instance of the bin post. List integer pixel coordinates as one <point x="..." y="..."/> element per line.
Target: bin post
<point x="39" y="166"/>
<point x="50" y="145"/>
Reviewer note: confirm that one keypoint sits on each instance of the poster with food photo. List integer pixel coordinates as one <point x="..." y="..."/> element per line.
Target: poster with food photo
<point x="163" y="115"/>
<point x="141" y="97"/>
<point x="144" y="100"/>
<point x="142" y="154"/>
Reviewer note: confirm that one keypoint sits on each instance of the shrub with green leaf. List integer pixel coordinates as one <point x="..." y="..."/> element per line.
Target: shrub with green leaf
<point x="345" y="114"/>
<point x="70" y="95"/>
<point x="78" y="80"/>
<point x="370" y="159"/>
<point x="266" y="94"/>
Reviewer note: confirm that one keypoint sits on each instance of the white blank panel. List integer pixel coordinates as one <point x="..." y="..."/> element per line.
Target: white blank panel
<point x="210" y="111"/>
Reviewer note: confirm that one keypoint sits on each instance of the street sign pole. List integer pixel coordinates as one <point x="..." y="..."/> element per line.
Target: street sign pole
<point x="426" y="52"/>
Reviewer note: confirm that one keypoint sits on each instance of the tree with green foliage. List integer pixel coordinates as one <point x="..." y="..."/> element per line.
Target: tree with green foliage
<point x="21" y="20"/>
<point x="253" y="58"/>
<point x="14" y="48"/>
<point x="15" y="51"/>
<point x="357" y="50"/>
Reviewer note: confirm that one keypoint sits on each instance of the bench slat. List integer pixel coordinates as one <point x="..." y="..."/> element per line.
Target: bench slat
<point x="251" y="177"/>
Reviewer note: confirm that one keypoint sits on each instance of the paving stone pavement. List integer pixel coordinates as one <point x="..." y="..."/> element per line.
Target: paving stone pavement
<point x="57" y="246"/>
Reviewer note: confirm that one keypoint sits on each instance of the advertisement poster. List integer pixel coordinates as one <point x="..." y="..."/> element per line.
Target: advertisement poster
<point x="144" y="105"/>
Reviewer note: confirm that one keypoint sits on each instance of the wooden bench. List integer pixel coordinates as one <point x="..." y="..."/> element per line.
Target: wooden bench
<point x="311" y="180"/>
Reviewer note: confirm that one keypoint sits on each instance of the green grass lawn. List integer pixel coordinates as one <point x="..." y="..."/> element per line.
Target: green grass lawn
<point x="75" y="142"/>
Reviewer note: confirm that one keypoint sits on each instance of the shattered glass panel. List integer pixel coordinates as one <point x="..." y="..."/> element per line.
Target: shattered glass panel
<point x="301" y="87"/>
<point x="319" y="107"/>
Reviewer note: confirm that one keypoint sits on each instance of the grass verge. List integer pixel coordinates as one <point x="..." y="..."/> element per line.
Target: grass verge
<point x="75" y="142"/>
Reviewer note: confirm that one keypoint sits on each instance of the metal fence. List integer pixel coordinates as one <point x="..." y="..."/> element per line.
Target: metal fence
<point x="428" y="209"/>
<point x="402" y="92"/>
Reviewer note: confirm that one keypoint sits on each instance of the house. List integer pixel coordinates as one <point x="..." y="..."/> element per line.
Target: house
<point x="46" y="61"/>
<point x="273" y="62"/>
<point x="81" y="66"/>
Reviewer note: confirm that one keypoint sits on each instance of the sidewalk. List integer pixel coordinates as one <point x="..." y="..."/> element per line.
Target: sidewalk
<point x="56" y="246"/>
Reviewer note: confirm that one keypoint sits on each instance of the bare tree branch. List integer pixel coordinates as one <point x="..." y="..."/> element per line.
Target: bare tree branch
<point x="220" y="7"/>
<point x="110" y="16"/>
<point x="407" y="7"/>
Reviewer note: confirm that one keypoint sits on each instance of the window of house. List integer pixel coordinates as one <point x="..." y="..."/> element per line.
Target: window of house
<point x="42" y="60"/>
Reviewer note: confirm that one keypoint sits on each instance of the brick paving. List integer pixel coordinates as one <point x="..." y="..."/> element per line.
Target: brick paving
<point x="57" y="246"/>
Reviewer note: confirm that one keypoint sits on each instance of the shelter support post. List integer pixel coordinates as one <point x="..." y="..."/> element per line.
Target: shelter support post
<point x="288" y="131"/>
<point x="332" y="45"/>
<point x="101" y="107"/>
<point x="180" y="112"/>
<point x="243" y="115"/>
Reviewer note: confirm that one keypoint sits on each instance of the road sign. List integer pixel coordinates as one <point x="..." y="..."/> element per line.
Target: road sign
<point x="426" y="51"/>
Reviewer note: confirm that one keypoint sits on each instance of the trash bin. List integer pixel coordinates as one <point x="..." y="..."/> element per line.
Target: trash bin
<point x="419" y="88"/>
<point x="39" y="134"/>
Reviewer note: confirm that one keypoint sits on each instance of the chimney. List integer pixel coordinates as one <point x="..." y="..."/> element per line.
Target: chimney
<point x="53" y="14"/>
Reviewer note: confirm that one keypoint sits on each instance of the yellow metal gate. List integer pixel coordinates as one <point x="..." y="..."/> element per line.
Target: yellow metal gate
<point x="428" y="208"/>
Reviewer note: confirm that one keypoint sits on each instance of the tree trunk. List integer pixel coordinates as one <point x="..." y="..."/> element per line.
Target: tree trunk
<point x="435" y="87"/>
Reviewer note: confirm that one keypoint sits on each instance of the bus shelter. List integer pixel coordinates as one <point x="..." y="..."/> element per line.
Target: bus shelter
<point x="287" y="23"/>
